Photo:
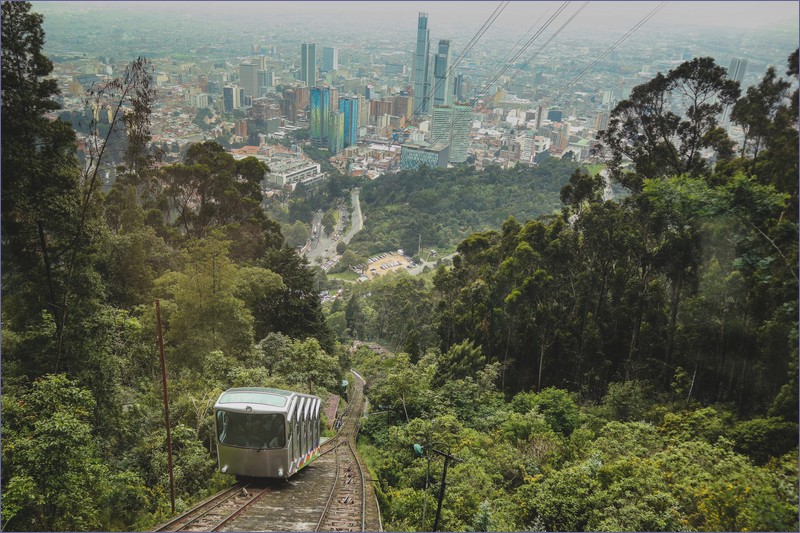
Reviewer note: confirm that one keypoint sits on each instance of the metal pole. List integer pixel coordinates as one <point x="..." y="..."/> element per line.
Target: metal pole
<point x="441" y="494"/>
<point x="166" y="406"/>
<point x="425" y="496"/>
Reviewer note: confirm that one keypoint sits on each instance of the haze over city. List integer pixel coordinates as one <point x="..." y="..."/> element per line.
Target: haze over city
<point x="400" y="266"/>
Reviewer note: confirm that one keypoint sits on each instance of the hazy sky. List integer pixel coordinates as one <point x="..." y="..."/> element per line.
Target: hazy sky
<point x="597" y="15"/>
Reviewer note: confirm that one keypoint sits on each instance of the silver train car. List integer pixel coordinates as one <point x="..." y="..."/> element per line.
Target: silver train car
<point x="264" y="432"/>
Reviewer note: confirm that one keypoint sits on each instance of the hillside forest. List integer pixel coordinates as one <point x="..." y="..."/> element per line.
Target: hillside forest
<point x="594" y="364"/>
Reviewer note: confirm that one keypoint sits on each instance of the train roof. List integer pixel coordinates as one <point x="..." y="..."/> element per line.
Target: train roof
<point x="263" y="397"/>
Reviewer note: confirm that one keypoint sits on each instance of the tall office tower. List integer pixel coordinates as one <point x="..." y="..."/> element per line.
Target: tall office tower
<point x="230" y="98"/>
<point x="330" y="59"/>
<point x="736" y="73"/>
<point x="248" y="79"/>
<point x="458" y="88"/>
<point x="308" y="63"/>
<point x="601" y="120"/>
<point x="348" y="105"/>
<point x="422" y="82"/>
<point x="737" y="69"/>
<point x="290" y="105"/>
<point x="335" y="132"/>
<point x="319" y="122"/>
<point x="261" y="80"/>
<point x="442" y="93"/>
<point x="363" y="111"/>
<point x="303" y="98"/>
<point x="451" y="125"/>
<point x="402" y="106"/>
<point x="440" y="128"/>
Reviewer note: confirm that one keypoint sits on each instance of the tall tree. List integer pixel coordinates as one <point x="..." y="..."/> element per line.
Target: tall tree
<point x="668" y="124"/>
<point x="756" y="112"/>
<point x="40" y="187"/>
<point x="297" y="312"/>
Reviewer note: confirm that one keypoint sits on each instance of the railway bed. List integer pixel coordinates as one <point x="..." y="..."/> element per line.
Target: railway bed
<point x="333" y="493"/>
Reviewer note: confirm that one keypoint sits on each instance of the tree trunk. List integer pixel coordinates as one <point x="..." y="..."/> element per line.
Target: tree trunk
<point x="541" y="359"/>
<point x="673" y="318"/>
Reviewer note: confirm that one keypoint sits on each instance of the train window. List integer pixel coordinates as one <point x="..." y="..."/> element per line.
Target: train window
<point x="295" y="443"/>
<point x="251" y="431"/>
<point x="254" y="398"/>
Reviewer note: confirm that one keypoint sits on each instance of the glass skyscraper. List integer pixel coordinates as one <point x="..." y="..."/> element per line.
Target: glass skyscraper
<point x="451" y="125"/>
<point x="422" y="82"/>
<point x="443" y="94"/>
<point x="348" y="105"/>
<point x="308" y="63"/>
<point x="335" y="132"/>
<point x="320" y="101"/>
<point x="330" y="58"/>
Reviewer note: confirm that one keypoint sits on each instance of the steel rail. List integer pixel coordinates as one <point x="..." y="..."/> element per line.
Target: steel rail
<point x="218" y="500"/>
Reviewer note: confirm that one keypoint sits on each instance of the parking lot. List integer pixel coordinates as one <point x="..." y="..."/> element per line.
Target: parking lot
<point x="387" y="262"/>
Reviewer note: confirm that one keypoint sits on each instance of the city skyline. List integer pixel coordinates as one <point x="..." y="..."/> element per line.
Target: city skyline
<point x="611" y="15"/>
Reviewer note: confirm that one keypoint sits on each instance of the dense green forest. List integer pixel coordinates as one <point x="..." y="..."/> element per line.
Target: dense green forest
<point x="83" y="437"/>
<point x="440" y="207"/>
<point x="621" y="365"/>
<point x="611" y="365"/>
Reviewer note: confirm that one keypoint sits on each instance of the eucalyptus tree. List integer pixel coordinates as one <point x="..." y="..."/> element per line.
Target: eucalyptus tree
<point x="669" y="125"/>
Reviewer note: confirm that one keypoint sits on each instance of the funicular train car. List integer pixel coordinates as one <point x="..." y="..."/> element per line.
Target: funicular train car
<point x="263" y="432"/>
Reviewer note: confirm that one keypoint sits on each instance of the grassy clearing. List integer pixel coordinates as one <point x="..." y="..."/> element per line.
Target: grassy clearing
<point x="348" y="275"/>
<point x="594" y="168"/>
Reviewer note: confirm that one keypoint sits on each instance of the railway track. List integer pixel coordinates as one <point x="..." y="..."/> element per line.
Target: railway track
<point x="347" y="503"/>
<point x="330" y="494"/>
<point x="215" y="512"/>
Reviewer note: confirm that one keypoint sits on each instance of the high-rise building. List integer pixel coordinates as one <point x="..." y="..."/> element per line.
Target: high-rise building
<point x="422" y="82"/>
<point x="248" y="79"/>
<point x="261" y="76"/>
<point x="379" y="108"/>
<point x="363" y="111"/>
<point x="737" y="69"/>
<point x="335" y="132"/>
<point x="290" y="104"/>
<point x="736" y="73"/>
<point x="308" y="63"/>
<point x="240" y="128"/>
<point x="403" y="106"/>
<point x="348" y="105"/>
<point x="230" y="98"/>
<point x="458" y="88"/>
<point x="319" y="122"/>
<point x="330" y="58"/>
<point x="442" y="92"/>
<point x="601" y="120"/>
<point x="451" y="125"/>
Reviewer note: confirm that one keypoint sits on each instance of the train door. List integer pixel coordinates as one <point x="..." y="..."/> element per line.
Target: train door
<point x="315" y="424"/>
<point x="310" y="424"/>
<point x="300" y="433"/>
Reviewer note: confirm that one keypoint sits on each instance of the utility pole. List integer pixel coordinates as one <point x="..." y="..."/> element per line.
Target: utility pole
<point x="166" y="405"/>
<point x="441" y="491"/>
<point x="419" y="450"/>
